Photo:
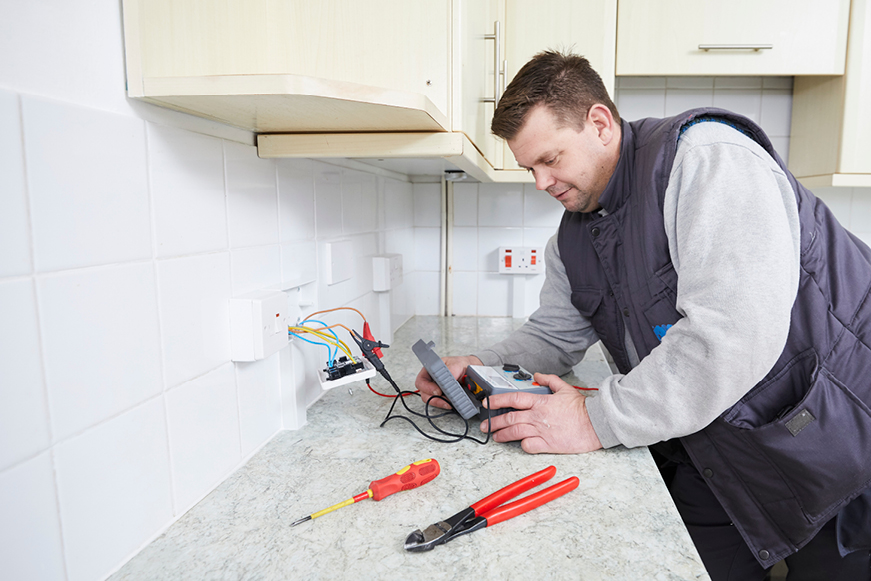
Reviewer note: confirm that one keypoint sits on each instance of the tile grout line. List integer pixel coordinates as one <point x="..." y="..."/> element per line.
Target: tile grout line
<point x="230" y="268"/>
<point x="149" y="182"/>
<point x="41" y="341"/>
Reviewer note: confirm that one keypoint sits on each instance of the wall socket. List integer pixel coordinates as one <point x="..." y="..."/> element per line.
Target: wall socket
<point x="521" y="259"/>
<point x="258" y="325"/>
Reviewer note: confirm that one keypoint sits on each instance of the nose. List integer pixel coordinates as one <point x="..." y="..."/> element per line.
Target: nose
<point x="543" y="179"/>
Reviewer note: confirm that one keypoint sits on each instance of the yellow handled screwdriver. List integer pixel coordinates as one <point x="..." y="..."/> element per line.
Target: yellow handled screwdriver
<point x="412" y="476"/>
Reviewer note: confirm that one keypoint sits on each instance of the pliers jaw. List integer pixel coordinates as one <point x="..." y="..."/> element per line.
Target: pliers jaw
<point x="441" y="532"/>
<point x="491" y="510"/>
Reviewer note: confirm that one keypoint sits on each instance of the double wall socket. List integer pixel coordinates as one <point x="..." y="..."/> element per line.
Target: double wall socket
<point x="521" y="259"/>
<point x="258" y="325"/>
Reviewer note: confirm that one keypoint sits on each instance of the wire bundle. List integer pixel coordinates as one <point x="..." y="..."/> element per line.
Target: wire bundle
<point x="331" y="341"/>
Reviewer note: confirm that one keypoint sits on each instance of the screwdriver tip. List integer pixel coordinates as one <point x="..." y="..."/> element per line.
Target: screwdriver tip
<point x="300" y="521"/>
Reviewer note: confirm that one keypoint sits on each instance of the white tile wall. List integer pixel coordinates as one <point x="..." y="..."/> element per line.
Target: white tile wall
<point x="765" y="100"/>
<point x="30" y="537"/>
<point x="24" y="427"/>
<point x="487" y="216"/>
<point x="15" y="255"/>
<point x="121" y="243"/>
<point x="359" y="202"/>
<point x="101" y="341"/>
<point x="194" y="314"/>
<point x="852" y="208"/>
<point x="255" y="267"/>
<point x="328" y="193"/>
<point x="203" y="418"/>
<point x="187" y="187"/>
<point x="86" y="176"/>
<point x="427" y="205"/>
<point x="259" y="401"/>
<point x="296" y="199"/>
<point x="114" y="489"/>
<point x="252" y="196"/>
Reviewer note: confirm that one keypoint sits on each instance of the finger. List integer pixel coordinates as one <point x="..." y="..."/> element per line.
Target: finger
<point x="424" y="382"/>
<point x="518" y="400"/>
<point x="494" y="423"/>
<point x="515" y="432"/>
<point x="551" y="381"/>
<point x="535" y="445"/>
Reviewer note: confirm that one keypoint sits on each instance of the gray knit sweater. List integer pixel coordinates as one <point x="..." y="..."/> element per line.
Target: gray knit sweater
<point x="733" y="235"/>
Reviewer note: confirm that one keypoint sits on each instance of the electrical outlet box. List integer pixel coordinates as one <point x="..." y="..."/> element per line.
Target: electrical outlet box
<point x="339" y="257"/>
<point x="386" y="272"/>
<point x="258" y="325"/>
<point x="350" y="375"/>
<point x="521" y="259"/>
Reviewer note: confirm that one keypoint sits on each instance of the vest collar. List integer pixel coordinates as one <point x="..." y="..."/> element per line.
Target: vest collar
<point x="616" y="193"/>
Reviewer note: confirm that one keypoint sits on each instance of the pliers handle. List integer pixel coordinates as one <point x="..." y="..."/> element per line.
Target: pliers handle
<point x="489" y="511"/>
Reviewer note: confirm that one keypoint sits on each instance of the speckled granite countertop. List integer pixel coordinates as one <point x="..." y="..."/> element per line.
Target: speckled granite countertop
<point x="620" y="522"/>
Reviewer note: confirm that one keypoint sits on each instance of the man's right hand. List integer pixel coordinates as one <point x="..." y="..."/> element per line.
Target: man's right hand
<point x="428" y="388"/>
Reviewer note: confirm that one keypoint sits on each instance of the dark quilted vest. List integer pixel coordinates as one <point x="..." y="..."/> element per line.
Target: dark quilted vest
<point x="797" y="448"/>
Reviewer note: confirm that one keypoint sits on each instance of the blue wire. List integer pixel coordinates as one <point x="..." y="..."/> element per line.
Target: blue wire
<point x="329" y="351"/>
<point x="333" y="355"/>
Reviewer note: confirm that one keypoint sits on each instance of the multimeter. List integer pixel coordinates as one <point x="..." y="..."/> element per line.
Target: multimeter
<point x="484" y="381"/>
<point x="480" y="381"/>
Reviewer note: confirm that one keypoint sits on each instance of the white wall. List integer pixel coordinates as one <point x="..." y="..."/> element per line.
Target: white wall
<point x="487" y="216"/>
<point x="121" y="241"/>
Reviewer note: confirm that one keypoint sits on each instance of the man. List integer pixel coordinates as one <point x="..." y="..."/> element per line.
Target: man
<point x="734" y="306"/>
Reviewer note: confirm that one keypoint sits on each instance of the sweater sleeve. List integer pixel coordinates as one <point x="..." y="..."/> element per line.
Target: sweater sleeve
<point x="732" y="225"/>
<point x="556" y="336"/>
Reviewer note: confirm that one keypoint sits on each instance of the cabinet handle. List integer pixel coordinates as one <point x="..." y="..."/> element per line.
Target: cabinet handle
<point x="756" y="47"/>
<point x="504" y="74"/>
<point x="497" y="50"/>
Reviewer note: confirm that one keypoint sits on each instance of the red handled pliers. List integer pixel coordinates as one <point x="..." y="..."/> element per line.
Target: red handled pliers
<point x="488" y="511"/>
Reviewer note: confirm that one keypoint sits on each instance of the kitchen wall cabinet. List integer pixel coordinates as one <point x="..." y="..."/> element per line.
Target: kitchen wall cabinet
<point x="739" y="37"/>
<point x="343" y="78"/>
<point x="294" y="65"/>
<point x="588" y="28"/>
<point x="478" y="72"/>
<point x="830" y="142"/>
<point x="301" y="68"/>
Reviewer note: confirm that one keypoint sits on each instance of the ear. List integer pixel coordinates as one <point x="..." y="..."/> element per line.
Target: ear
<point x="599" y="117"/>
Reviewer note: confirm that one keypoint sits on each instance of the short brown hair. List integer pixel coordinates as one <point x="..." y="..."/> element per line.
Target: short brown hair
<point x="565" y="83"/>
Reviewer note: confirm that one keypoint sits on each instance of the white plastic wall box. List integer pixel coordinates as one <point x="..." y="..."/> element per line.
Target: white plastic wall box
<point x="258" y="324"/>
<point x="386" y="272"/>
<point x="339" y="256"/>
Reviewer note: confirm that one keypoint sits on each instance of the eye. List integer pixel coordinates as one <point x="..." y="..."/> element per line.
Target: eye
<point x="550" y="161"/>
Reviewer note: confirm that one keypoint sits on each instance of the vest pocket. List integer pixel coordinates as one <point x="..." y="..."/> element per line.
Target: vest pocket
<point x="819" y="445"/>
<point x="587" y="301"/>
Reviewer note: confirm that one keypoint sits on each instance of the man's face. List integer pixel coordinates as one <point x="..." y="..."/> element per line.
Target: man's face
<point x="571" y="165"/>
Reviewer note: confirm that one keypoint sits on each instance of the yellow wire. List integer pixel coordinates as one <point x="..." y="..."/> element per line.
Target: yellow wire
<point x="341" y="344"/>
<point x="329" y="339"/>
<point x="330" y="327"/>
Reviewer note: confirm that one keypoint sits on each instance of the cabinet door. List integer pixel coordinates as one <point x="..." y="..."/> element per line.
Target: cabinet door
<point x="386" y="44"/>
<point x="746" y="37"/>
<point x="584" y="27"/>
<point x="830" y="141"/>
<point x="474" y="75"/>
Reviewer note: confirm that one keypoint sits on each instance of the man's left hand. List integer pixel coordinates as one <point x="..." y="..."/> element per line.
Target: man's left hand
<point x="556" y="424"/>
